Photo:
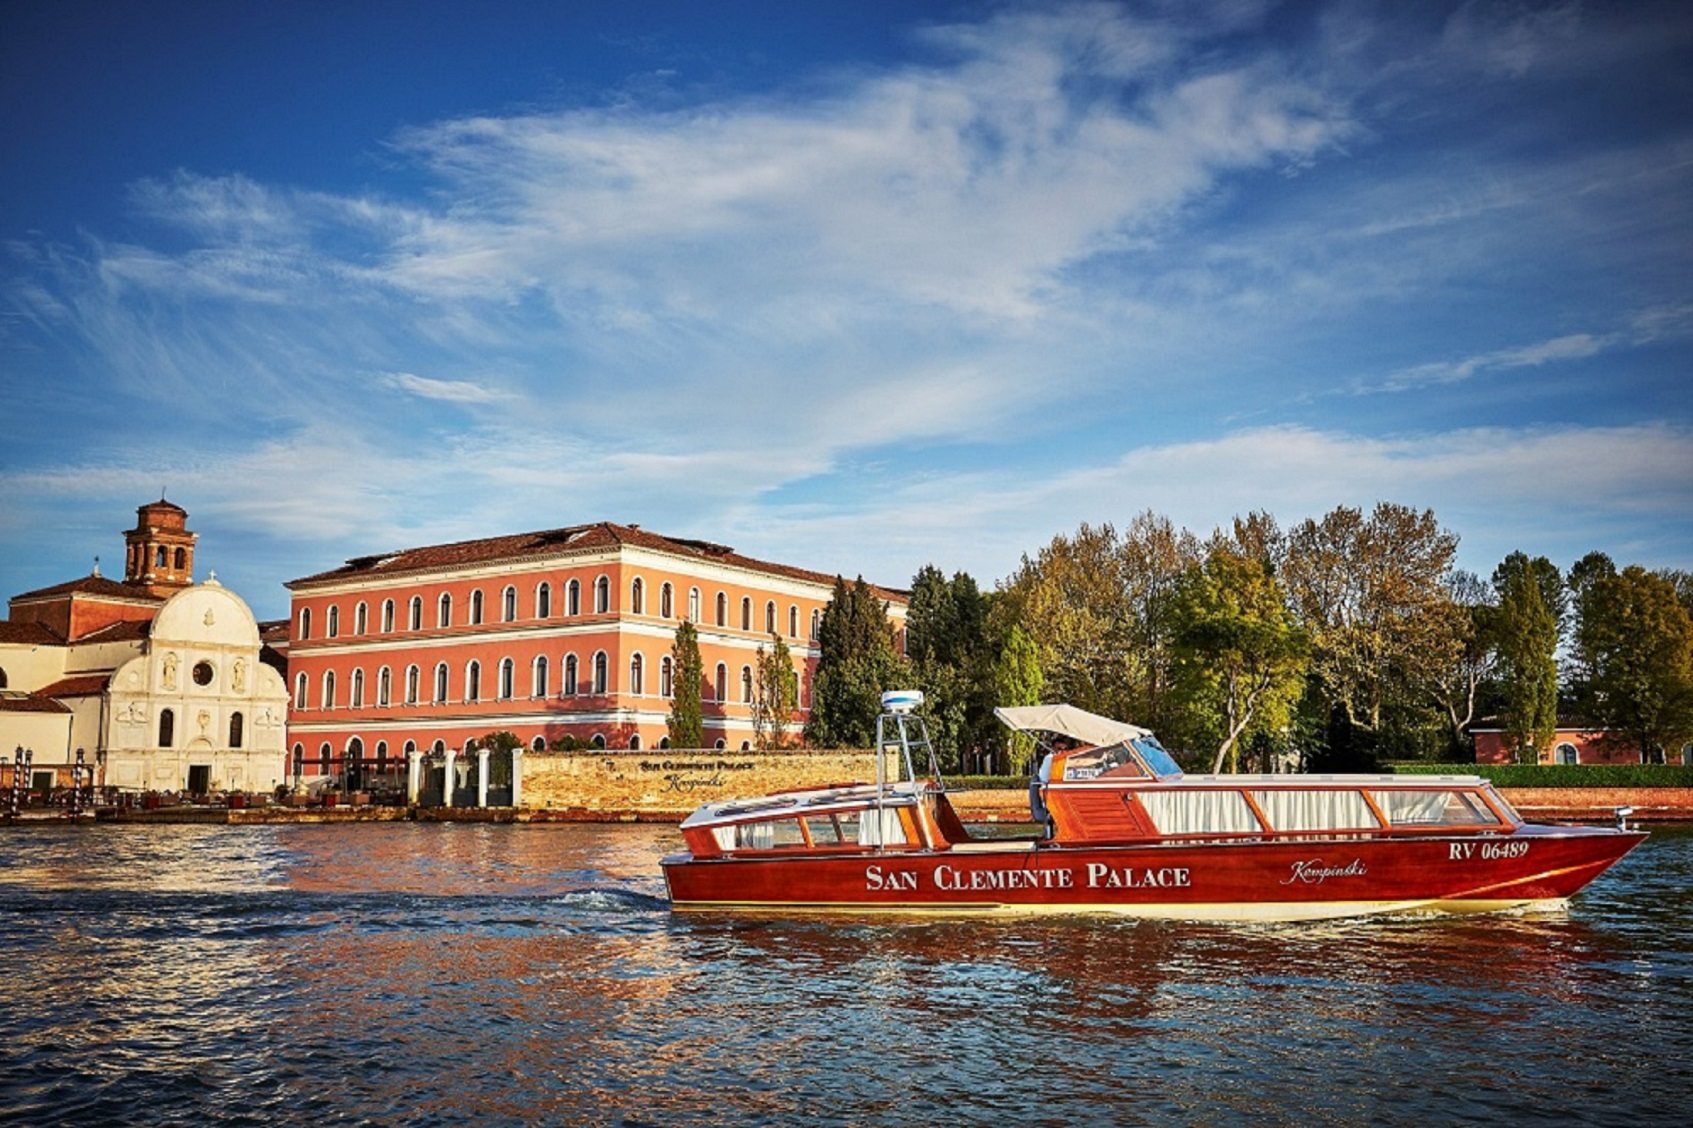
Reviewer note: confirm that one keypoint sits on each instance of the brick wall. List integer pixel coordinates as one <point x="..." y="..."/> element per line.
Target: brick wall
<point x="670" y="782"/>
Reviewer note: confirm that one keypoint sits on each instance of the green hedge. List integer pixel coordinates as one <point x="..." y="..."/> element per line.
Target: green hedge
<point x="1560" y="775"/>
<point x="986" y="783"/>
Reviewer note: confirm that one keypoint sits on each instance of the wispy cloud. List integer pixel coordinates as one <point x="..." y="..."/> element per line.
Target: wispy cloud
<point x="447" y="391"/>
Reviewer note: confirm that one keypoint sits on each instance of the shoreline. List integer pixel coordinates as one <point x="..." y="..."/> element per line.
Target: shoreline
<point x="1652" y="805"/>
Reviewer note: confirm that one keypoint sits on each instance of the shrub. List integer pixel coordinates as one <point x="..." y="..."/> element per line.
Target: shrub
<point x="1560" y="775"/>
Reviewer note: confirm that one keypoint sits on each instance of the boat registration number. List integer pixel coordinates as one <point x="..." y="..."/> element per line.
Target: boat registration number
<point x="1489" y="851"/>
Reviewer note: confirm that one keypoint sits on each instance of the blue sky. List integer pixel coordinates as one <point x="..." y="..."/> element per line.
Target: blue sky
<point x="857" y="287"/>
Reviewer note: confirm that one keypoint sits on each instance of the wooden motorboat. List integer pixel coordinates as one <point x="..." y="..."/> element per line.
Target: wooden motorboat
<point x="1121" y="829"/>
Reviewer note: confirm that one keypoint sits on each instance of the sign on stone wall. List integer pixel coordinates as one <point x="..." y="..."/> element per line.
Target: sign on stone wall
<point x="672" y="782"/>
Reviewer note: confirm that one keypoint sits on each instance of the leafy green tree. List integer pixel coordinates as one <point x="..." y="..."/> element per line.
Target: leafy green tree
<point x="1369" y="590"/>
<point x="1526" y="634"/>
<point x="1456" y="673"/>
<point x="1017" y="680"/>
<point x="685" y="724"/>
<point x="1633" y="656"/>
<point x="500" y="746"/>
<point x="775" y="694"/>
<point x="1241" y="658"/>
<point x="856" y="665"/>
<point x="949" y="648"/>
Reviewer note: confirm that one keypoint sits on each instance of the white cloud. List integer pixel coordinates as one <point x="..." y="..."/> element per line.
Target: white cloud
<point x="447" y="391"/>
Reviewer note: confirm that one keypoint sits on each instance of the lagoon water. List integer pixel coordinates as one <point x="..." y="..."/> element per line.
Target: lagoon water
<point x="447" y="974"/>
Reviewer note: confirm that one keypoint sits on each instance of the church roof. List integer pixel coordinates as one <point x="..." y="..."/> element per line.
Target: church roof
<point x="82" y="685"/>
<point x="124" y="630"/>
<point x="519" y="547"/>
<point x="92" y="585"/>
<point x="29" y="634"/>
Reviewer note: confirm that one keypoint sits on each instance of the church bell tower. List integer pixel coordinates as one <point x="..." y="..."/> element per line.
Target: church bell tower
<point x="159" y="551"/>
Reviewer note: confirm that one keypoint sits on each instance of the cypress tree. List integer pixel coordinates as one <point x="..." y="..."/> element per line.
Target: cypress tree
<point x="856" y="665"/>
<point x="685" y="726"/>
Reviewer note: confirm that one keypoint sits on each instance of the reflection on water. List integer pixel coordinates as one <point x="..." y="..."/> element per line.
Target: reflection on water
<point x="443" y="974"/>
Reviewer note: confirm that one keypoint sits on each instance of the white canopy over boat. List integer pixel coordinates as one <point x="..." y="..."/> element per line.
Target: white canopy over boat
<point x="1067" y="720"/>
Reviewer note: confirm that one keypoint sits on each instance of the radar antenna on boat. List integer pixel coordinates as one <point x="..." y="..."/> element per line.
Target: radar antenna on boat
<point x="900" y="729"/>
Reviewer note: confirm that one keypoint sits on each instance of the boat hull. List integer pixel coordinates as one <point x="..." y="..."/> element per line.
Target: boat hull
<point x="1263" y="881"/>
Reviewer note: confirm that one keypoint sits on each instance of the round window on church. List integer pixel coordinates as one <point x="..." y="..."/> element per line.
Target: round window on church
<point x="202" y="673"/>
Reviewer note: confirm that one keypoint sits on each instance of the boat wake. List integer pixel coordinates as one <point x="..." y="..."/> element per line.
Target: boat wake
<point x="610" y="899"/>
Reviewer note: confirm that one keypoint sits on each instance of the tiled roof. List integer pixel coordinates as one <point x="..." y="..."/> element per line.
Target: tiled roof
<point x="274" y="631"/>
<point x="92" y="585"/>
<point x="121" y="631"/>
<point x="30" y="634"/>
<point x="30" y="703"/>
<point x="521" y="546"/>
<point x="82" y="685"/>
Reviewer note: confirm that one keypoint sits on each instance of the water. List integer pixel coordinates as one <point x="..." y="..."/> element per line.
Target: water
<point x="431" y="975"/>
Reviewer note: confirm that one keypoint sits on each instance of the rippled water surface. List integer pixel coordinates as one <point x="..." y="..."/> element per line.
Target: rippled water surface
<point x="430" y="974"/>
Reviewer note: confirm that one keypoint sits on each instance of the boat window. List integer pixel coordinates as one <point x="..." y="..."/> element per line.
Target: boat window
<point x="863" y="830"/>
<point x="825" y="831"/>
<point x="1205" y="811"/>
<point x="1316" y="810"/>
<point x="1091" y="763"/>
<point x="1432" y="808"/>
<point x="760" y="835"/>
<point x="1160" y="761"/>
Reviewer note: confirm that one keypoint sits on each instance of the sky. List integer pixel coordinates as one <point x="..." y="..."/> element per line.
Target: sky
<point x="857" y="287"/>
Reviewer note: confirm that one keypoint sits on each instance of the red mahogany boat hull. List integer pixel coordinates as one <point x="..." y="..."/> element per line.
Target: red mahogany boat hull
<point x="1254" y="880"/>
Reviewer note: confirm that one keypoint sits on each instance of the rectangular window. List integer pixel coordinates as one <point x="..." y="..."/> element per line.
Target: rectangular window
<point x="1433" y="808"/>
<point x="1199" y="811"/>
<point x="1316" y="810"/>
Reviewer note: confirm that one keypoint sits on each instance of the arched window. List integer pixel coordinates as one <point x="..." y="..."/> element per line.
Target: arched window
<point x="666" y="674"/>
<point x="508" y="605"/>
<point x="573" y="598"/>
<point x="1566" y="753"/>
<point x="161" y="559"/>
<point x="722" y="617"/>
<point x="476" y="607"/>
<point x="539" y="744"/>
<point x="597" y="740"/>
<point x="816" y="623"/>
<point x="381" y="755"/>
<point x="637" y="601"/>
<point x="410" y="747"/>
<point x="693" y="605"/>
<point x="746" y="613"/>
<point x="770" y="616"/>
<point x="412" y="676"/>
<point x="746" y="746"/>
<point x="440" y="682"/>
<point x="299" y="760"/>
<point x="329" y="689"/>
<point x="334" y="620"/>
<point x="538" y="676"/>
<point x="181" y="559"/>
<point x="2" y="677"/>
<point x="323" y="758"/>
<point x="572" y="677"/>
<point x="235" y="727"/>
<point x="439" y="748"/>
<point x="719" y="745"/>
<point x="507" y="678"/>
<point x="387" y="615"/>
<point x="444" y="613"/>
<point x="543" y="600"/>
<point x="384" y="687"/>
<point x="167" y="728"/>
<point x="300" y="690"/>
<point x="664" y="742"/>
<point x="305" y="623"/>
<point x="414" y="613"/>
<point x="666" y="596"/>
<point x="602" y="596"/>
<point x="634" y="742"/>
<point x="473" y="680"/>
<point x="361" y="618"/>
<point x="746" y="685"/>
<point x="793" y="621"/>
<point x="636" y="684"/>
<point x="601" y="668"/>
<point x="721" y="685"/>
<point x="357" y="696"/>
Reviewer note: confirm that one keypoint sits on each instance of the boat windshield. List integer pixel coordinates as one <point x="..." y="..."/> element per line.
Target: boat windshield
<point x="1160" y="761"/>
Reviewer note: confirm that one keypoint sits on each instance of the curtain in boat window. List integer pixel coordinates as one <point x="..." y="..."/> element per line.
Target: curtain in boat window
<point x="1315" y="810"/>
<point x="1198" y="812"/>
